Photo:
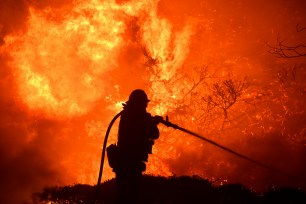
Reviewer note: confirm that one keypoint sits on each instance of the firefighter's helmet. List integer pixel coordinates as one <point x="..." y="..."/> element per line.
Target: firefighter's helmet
<point x="138" y="96"/>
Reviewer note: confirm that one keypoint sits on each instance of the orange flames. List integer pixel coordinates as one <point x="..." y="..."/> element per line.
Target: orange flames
<point x="61" y="63"/>
<point x="204" y="65"/>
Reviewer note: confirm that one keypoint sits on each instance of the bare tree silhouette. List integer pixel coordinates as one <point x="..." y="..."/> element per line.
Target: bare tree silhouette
<point x="224" y="95"/>
<point x="283" y="50"/>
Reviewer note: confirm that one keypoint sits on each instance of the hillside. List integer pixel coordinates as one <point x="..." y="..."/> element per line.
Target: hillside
<point x="174" y="190"/>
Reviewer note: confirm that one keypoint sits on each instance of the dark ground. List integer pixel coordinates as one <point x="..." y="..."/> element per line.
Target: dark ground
<point x="174" y="190"/>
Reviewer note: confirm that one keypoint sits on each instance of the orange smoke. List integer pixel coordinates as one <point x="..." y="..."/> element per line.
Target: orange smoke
<point x="70" y="65"/>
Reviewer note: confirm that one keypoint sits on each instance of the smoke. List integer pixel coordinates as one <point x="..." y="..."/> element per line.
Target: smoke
<point x="16" y="11"/>
<point x="231" y="38"/>
<point x="66" y="65"/>
<point x="25" y="165"/>
<point x="284" y="162"/>
<point x="29" y="143"/>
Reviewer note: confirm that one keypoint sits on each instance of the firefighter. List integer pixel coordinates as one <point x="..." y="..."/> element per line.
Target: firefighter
<point x="136" y="135"/>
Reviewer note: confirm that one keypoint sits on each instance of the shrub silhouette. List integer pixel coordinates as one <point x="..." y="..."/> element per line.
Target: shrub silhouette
<point x="173" y="190"/>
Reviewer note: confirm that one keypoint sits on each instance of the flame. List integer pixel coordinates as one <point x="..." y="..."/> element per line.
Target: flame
<point x="51" y="59"/>
<point x="60" y="63"/>
<point x="77" y="64"/>
<point x="82" y="47"/>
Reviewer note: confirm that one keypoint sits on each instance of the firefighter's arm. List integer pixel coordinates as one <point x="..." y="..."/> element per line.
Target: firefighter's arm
<point x="152" y="128"/>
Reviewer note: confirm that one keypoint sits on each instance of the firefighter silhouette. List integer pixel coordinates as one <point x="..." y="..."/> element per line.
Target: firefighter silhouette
<point x="136" y="135"/>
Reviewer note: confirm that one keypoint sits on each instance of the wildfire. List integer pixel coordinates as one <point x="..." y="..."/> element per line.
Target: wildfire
<point x="61" y="64"/>
<point x="77" y="64"/>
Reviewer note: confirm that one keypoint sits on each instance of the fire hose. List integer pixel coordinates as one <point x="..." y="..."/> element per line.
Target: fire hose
<point x="169" y="124"/>
<point x="104" y="147"/>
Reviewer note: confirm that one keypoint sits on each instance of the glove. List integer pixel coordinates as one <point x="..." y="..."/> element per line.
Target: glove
<point x="158" y="119"/>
